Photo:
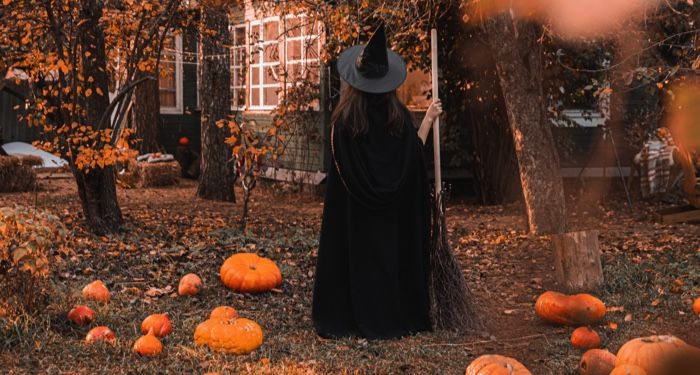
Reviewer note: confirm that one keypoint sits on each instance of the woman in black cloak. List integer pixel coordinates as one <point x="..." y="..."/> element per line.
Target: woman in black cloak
<point x="372" y="271"/>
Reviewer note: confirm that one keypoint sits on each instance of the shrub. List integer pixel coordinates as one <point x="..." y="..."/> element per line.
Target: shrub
<point x="26" y="238"/>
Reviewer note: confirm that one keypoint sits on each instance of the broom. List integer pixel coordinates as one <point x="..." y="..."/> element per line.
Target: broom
<point x="450" y="297"/>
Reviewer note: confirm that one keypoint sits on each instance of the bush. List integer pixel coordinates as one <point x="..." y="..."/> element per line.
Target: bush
<point x="26" y="239"/>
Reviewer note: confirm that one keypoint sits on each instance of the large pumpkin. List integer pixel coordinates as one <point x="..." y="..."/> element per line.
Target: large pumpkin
<point x="577" y="310"/>
<point x="249" y="273"/>
<point x="696" y="306"/>
<point x="596" y="362"/>
<point x="650" y="353"/>
<point x="238" y="336"/>
<point x="494" y="364"/>
<point x="628" y="370"/>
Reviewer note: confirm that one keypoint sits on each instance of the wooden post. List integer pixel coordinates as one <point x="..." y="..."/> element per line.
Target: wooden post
<point x="577" y="260"/>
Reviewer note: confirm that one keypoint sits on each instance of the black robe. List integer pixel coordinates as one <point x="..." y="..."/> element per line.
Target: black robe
<point x="372" y="270"/>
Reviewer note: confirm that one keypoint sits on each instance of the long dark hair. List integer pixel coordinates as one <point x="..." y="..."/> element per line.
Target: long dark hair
<point x="352" y="110"/>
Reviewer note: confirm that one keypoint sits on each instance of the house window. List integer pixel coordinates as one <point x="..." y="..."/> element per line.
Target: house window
<point x="238" y="67"/>
<point x="302" y="46"/>
<point x="170" y="79"/>
<point x="264" y="63"/>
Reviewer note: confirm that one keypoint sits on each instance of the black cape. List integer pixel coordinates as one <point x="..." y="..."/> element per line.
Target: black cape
<point x="372" y="270"/>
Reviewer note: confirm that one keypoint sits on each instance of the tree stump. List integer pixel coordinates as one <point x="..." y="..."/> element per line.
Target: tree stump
<point x="577" y="260"/>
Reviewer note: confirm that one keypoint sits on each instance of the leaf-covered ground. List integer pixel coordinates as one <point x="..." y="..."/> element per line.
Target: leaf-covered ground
<point x="651" y="273"/>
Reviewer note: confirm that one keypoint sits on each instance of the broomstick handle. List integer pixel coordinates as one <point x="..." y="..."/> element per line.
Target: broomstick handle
<point x="436" y="125"/>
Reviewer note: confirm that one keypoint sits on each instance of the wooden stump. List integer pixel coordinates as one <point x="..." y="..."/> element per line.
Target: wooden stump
<point x="577" y="260"/>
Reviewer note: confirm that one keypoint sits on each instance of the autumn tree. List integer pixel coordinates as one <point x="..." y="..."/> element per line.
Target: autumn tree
<point x="217" y="177"/>
<point x="518" y="56"/>
<point x="63" y="51"/>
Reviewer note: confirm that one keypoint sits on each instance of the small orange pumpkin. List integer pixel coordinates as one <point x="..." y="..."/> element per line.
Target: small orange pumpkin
<point x="148" y="345"/>
<point x="494" y="364"/>
<point x="159" y="323"/>
<point x="101" y="333"/>
<point x="576" y="310"/>
<point x="628" y="370"/>
<point x="649" y="353"/>
<point x="249" y="273"/>
<point x="223" y="312"/>
<point x="190" y="285"/>
<point x="585" y="338"/>
<point x="696" y="306"/>
<point x="96" y="291"/>
<point x="81" y="315"/>
<point x="238" y="336"/>
<point x="596" y="362"/>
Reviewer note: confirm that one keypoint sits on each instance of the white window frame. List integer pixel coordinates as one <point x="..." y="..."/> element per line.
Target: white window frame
<point x="178" y="108"/>
<point x="262" y="65"/>
<point x="306" y="38"/>
<point x="234" y="68"/>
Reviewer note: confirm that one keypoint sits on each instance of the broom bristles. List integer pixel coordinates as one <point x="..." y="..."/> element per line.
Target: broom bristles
<point x="451" y="300"/>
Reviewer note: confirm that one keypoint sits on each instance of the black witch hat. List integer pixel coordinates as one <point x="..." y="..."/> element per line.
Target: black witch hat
<point x="372" y="68"/>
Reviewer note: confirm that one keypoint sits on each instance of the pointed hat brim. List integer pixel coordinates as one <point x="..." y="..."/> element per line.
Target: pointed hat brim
<point x="395" y="76"/>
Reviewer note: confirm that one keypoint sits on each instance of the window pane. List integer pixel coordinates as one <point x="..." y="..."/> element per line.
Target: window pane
<point x="255" y="96"/>
<point x="255" y="34"/>
<point x="293" y="27"/>
<point x="255" y="75"/>
<point x="294" y="50"/>
<point x="312" y="49"/>
<point x="167" y="98"/>
<point x="293" y="72"/>
<point x="239" y="36"/>
<point x="270" y="96"/>
<point x="271" y="54"/>
<point x="270" y="75"/>
<point x="312" y="72"/>
<point x="271" y="31"/>
<point x="240" y="96"/>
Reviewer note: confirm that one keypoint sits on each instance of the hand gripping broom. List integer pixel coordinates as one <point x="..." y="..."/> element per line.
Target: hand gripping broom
<point x="451" y="306"/>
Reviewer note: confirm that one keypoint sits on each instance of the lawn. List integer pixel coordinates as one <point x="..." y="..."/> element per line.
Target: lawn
<point x="651" y="272"/>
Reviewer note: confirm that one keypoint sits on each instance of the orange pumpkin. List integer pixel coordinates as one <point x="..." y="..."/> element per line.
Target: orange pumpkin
<point x="628" y="370"/>
<point x="238" y="336"/>
<point x="96" y="291"/>
<point x="249" y="273"/>
<point x="224" y="312"/>
<point x="101" y="333"/>
<point x="577" y="310"/>
<point x="494" y="364"/>
<point x="696" y="306"/>
<point x="81" y="315"/>
<point x="190" y="285"/>
<point x="148" y="345"/>
<point x="649" y="353"/>
<point x="585" y="338"/>
<point x="159" y="323"/>
<point x="596" y="362"/>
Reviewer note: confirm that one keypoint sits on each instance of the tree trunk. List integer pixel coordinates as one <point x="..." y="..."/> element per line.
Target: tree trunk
<point x="145" y="115"/>
<point x="97" y="188"/>
<point x="577" y="261"/>
<point x="518" y="56"/>
<point x="217" y="175"/>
